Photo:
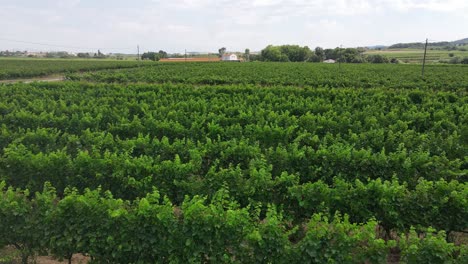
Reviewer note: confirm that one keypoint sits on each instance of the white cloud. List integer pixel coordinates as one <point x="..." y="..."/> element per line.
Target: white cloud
<point x="68" y="3"/>
<point x="263" y="3"/>
<point x="432" y="5"/>
<point x="206" y="24"/>
<point x="178" y="28"/>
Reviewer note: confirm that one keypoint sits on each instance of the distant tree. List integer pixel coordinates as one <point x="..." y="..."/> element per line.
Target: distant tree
<point x="255" y="57"/>
<point x="83" y="55"/>
<point x="451" y="55"/>
<point x="247" y="54"/>
<point x="330" y="54"/>
<point x="99" y="55"/>
<point x="296" y="53"/>
<point x="63" y="54"/>
<point x="150" y="56"/>
<point x="377" y="58"/>
<point x="454" y="60"/>
<point x="221" y="51"/>
<point x="464" y="60"/>
<point x="293" y="53"/>
<point x="361" y="49"/>
<point x="162" y="54"/>
<point x="348" y="55"/>
<point x="394" y="60"/>
<point x="319" y="54"/>
<point x="154" y="56"/>
<point x="315" y="58"/>
<point x="273" y="53"/>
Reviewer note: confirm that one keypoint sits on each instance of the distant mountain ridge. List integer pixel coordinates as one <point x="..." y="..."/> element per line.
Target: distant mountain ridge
<point x="461" y="41"/>
<point x="418" y="45"/>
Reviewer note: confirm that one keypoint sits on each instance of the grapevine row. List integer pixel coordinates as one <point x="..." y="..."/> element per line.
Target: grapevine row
<point x="152" y="229"/>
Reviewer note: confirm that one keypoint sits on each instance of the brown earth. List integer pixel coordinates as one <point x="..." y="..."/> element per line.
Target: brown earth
<point x="50" y="78"/>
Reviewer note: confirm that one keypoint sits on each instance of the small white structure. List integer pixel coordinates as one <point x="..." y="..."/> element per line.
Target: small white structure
<point x="329" y="61"/>
<point x="229" y="57"/>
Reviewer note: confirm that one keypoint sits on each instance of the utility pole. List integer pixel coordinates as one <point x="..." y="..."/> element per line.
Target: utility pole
<point x="339" y="59"/>
<point x="138" y="52"/>
<point x="424" y="59"/>
<point x="185" y="56"/>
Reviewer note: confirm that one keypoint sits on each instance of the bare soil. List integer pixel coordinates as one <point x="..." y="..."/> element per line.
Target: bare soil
<point x="77" y="259"/>
<point x="10" y="255"/>
<point x="50" y="78"/>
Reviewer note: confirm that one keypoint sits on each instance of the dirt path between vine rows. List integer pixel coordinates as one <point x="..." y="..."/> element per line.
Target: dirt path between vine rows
<point x="49" y="78"/>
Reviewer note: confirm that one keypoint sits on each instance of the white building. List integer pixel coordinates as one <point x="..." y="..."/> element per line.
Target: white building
<point x="329" y="61"/>
<point x="229" y="57"/>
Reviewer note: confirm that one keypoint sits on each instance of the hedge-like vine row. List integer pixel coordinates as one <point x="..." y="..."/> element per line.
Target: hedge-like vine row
<point x="24" y="68"/>
<point x="440" y="77"/>
<point x="153" y="230"/>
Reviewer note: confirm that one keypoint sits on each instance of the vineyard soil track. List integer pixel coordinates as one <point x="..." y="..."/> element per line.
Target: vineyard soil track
<point x="50" y="78"/>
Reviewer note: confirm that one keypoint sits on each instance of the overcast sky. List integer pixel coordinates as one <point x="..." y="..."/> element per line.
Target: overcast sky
<point x="206" y="25"/>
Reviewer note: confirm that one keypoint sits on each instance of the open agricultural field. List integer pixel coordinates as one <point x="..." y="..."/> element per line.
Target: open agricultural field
<point x="25" y="68"/>
<point x="416" y="55"/>
<point x="238" y="163"/>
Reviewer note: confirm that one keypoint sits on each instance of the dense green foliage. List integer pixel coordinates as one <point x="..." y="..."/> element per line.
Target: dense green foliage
<point x="292" y="53"/>
<point x="23" y="68"/>
<point x="295" y="53"/>
<point x="440" y="77"/>
<point x="153" y="230"/>
<point x="154" y="56"/>
<point x="245" y="171"/>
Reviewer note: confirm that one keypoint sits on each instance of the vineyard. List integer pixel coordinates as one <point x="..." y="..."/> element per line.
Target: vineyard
<point x="25" y="68"/>
<point x="439" y="77"/>
<point x="238" y="163"/>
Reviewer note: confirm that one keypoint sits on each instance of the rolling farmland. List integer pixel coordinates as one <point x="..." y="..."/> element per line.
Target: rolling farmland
<point x="416" y="55"/>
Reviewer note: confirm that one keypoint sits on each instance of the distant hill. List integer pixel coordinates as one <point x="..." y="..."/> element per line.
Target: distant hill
<point x="461" y="41"/>
<point x="420" y="45"/>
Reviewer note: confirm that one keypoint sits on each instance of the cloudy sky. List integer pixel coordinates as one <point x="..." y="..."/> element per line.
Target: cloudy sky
<point x="206" y="25"/>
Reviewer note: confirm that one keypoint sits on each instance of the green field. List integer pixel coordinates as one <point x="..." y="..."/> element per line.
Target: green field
<point x="294" y="74"/>
<point x="26" y="68"/>
<point x="416" y="55"/>
<point x="238" y="163"/>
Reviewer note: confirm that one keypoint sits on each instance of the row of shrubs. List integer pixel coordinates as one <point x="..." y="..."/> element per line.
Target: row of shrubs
<point x="456" y="60"/>
<point x="153" y="230"/>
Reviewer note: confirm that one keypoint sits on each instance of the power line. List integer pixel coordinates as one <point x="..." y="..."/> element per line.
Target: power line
<point x="60" y="46"/>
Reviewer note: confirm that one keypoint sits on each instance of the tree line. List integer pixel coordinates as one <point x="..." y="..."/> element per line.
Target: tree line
<point x="296" y="53"/>
<point x="154" y="56"/>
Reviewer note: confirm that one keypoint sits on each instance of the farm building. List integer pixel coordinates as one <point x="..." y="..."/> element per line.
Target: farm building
<point x="329" y="61"/>
<point x="229" y="57"/>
